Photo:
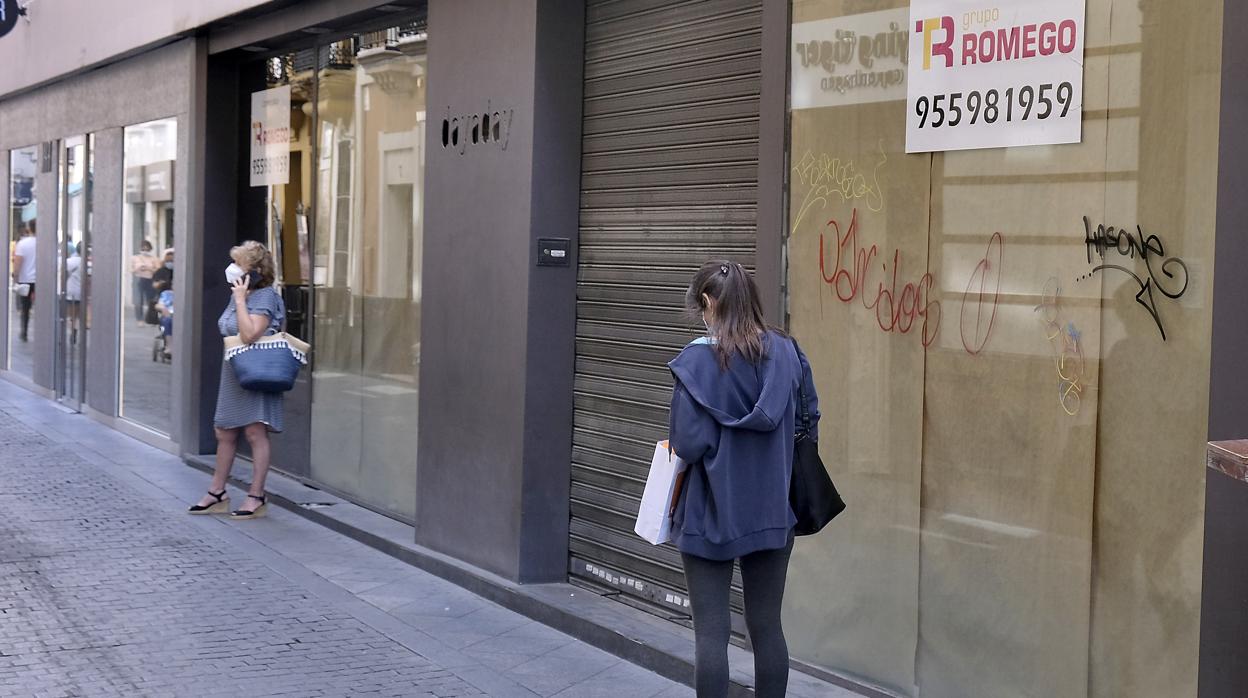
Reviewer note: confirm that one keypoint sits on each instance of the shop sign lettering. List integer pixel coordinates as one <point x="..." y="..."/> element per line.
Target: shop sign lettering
<point x="856" y="59"/>
<point x="994" y="75"/>
<point x="270" y="137"/>
<point x="491" y="127"/>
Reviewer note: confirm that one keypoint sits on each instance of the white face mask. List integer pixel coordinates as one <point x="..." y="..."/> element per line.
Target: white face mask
<point x="233" y="273"/>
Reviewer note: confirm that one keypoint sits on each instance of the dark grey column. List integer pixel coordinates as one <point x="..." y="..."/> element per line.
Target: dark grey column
<point x="104" y="354"/>
<point x="187" y="232"/>
<point x="497" y="332"/>
<point x="213" y="139"/>
<point x="1224" y="620"/>
<point x="551" y="349"/>
<point x="1228" y="412"/>
<point x="773" y="160"/>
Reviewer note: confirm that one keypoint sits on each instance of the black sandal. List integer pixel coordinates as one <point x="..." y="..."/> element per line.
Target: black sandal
<point x="255" y="514"/>
<point x="221" y="506"/>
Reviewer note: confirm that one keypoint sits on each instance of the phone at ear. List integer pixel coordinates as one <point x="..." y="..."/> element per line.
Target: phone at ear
<point x="253" y="278"/>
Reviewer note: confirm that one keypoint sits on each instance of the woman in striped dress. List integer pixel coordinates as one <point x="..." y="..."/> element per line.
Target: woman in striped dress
<point x="255" y="310"/>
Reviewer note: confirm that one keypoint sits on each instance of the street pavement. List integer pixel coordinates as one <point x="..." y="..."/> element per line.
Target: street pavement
<point x="147" y="385"/>
<point x="21" y="354"/>
<point x="107" y="588"/>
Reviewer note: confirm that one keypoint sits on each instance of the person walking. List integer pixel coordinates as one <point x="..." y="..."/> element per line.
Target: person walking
<point x="256" y="309"/>
<point x="76" y="268"/>
<point x="142" y="266"/>
<point x="24" y="274"/>
<point x="732" y="420"/>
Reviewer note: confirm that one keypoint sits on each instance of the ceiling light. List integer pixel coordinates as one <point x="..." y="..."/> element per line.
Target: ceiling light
<point x="390" y="8"/>
<point x="316" y="30"/>
<point x="253" y="48"/>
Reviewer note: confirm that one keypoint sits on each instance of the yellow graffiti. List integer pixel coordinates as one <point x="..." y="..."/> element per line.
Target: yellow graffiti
<point x="1067" y="346"/>
<point x="823" y="176"/>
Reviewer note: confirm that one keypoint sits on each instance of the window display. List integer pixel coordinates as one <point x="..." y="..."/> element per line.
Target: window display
<point x="1017" y="342"/>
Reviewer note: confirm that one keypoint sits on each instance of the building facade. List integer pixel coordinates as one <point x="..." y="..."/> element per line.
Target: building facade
<point x="485" y="215"/>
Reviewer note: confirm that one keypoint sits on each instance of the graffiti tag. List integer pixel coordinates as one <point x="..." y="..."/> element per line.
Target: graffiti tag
<point x="1149" y="249"/>
<point x="896" y="309"/>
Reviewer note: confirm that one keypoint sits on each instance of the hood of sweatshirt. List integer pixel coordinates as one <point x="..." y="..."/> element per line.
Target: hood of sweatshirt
<point x="745" y="396"/>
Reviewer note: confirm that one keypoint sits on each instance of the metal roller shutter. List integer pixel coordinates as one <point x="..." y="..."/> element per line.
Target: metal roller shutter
<point x="668" y="179"/>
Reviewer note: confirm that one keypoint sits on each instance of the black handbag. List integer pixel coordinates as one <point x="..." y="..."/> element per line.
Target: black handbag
<point x="812" y="495"/>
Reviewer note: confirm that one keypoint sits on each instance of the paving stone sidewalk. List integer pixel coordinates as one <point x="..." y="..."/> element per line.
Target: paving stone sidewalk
<point x="107" y="589"/>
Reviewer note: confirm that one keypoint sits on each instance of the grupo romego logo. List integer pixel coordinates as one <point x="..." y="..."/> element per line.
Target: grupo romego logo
<point x="932" y="48"/>
<point x="982" y="42"/>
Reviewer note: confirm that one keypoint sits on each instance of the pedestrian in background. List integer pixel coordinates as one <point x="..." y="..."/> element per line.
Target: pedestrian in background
<point x="255" y="310"/>
<point x="142" y="266"/>
<point x="733" y="420"/>
<point x="24" y="275"/>
<point x="75" y="267"/>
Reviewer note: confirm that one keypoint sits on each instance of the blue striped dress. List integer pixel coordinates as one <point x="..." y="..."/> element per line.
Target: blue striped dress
<point x="236" y="406"/>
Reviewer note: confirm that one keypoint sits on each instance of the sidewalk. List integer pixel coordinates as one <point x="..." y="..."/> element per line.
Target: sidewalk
<point x="108" y="588"/>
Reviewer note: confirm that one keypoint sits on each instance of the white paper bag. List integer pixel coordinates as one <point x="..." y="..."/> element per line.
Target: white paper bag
<point x="654" y="518"/>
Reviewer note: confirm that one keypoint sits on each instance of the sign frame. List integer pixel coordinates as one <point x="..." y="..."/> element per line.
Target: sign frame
<point x="1007" y="76"/>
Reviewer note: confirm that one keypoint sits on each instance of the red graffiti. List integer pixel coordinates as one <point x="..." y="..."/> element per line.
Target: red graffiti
<point x="894" y="311"/>
<point x="979" y="302"/>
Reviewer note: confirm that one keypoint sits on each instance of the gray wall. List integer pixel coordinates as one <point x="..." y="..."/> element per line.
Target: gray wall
<point x="497" y="333"/>
<point x="106" y="283"/>
<point x="43" y="317"/>
<point x="773" y="126"/>
<point x="66" y="36"/>
<point x="1228" y="380"/>
<point x="148" y="86"/>
<point x="1223" y="665"/>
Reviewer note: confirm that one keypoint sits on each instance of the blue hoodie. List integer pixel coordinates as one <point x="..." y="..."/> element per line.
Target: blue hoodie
<point x="735" y="428"/>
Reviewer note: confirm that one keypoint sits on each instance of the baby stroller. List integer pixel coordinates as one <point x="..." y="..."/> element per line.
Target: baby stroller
<point x="162" y="309"/>
<point x="160" y="348"/>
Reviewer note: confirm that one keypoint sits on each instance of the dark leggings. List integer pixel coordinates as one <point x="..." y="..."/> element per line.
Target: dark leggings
<point x="24" y="304"/>
<point x="762" y="577"/>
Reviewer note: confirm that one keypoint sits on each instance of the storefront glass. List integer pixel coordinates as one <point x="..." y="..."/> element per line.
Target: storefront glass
<point x="23" y="223"/>
<point x="1017" y="428"/>
<point x="147" y="299"/>
<point x="366" y="265"/>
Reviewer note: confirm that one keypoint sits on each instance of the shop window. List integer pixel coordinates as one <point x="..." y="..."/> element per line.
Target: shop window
<point x="23" y="226"/>
<point x="148" y="292"/>
<point x="371" y="120"/>
<point x="1019" y="434"/>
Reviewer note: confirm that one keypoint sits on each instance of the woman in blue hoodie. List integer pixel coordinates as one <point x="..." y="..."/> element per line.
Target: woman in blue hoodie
<point x="732" y="419"/>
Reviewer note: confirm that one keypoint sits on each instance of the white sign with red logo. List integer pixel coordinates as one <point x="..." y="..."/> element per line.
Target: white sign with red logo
<point x="270" y="137"/>
<point x="991" y="75"/>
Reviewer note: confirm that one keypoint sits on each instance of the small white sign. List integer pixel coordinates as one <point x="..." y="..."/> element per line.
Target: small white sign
<point x="991" y="75"/>
<point x="270" y="136"/>
<point x="855" y="59"/>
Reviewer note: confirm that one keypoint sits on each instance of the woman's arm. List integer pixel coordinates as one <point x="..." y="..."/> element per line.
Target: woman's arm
<point x="812" y="398"/>
<point x="250" y="326"/>
<point x="692" y="433"/>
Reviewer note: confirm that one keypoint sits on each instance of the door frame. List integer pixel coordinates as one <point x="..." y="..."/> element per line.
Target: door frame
<point x="70" y="351"/>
